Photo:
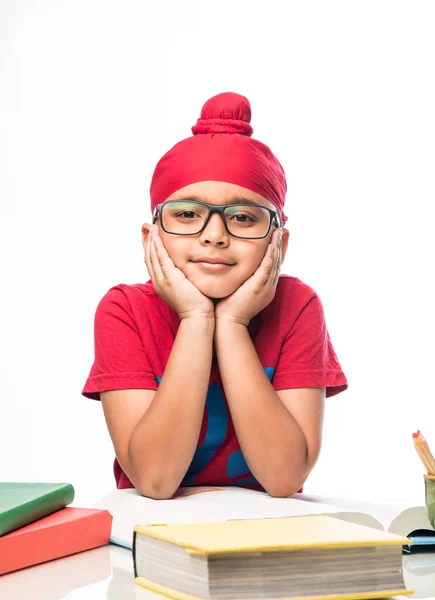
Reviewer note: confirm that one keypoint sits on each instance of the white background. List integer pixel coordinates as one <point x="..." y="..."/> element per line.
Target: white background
<point x="92" y="93"/>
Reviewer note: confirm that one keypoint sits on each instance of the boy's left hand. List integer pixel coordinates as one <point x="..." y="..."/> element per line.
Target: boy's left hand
<point x="256" y="292"/>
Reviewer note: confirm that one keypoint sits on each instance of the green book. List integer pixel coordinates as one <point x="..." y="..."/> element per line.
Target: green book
<point x="22" y="503"/>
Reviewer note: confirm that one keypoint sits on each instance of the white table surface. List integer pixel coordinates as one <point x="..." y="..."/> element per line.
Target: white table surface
<point x="107" y="573"/>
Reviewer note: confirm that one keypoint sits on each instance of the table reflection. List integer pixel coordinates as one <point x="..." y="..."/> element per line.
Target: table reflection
<point x="107" y="572"/>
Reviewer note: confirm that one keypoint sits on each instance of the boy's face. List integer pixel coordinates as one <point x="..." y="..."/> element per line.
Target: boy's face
<point x="190" y="251"/>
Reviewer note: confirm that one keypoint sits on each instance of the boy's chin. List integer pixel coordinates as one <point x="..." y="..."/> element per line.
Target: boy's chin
<point x="216" y="291"/>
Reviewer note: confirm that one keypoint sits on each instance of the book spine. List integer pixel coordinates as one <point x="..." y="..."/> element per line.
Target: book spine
<point x="35" y="509"/>
<point x="62" y="538"/>
<point x="133" y="550"/>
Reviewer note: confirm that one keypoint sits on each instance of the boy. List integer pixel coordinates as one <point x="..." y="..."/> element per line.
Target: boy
<point x="215" y="371"/>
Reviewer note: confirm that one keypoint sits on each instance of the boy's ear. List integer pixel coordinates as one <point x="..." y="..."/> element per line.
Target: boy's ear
<point x="146" y="232"/>
<point x="284" y="243"/>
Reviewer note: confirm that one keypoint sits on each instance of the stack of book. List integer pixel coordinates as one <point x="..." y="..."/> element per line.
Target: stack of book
<point x="311" y="557"/>
<point x="37" y="525"/>
<point x="219" y="543"/>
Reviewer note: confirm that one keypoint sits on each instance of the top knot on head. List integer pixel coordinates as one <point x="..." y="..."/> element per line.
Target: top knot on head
<point x="225" y="113"/>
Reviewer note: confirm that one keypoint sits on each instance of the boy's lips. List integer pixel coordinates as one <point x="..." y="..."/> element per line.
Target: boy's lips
<point x="212" y="263"/>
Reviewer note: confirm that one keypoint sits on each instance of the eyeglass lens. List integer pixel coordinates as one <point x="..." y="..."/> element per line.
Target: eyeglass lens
<point x="188" y="218"/>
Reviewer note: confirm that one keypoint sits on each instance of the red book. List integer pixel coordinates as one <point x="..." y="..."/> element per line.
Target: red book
<point x="67" y="531"/>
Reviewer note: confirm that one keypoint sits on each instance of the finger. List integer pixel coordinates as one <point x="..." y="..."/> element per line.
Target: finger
<point x="278" y="259"/>
<point x="276" y="275"/>
<point x="265" y="270"/>
<point x="156" y="262"/>
<point x="148" y="258"/>
<point x="277" y="237"/>
<point x="276" y="268"/>
<point x="164" y="260"/>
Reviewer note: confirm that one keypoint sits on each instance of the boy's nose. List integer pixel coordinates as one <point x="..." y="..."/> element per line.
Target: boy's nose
<point x="215" y="232"/>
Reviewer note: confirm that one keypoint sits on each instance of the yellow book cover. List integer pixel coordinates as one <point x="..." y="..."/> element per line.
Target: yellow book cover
<point x="268" y="535"/>
<point x="169" y="593"/>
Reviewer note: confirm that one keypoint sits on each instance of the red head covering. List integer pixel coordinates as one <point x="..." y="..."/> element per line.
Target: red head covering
<point x="221" y="149"/>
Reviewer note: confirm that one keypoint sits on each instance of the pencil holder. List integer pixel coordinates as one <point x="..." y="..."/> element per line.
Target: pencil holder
<point x="429" y="484"/>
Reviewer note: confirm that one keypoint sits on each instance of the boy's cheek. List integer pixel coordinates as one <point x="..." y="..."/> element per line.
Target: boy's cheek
<point x="238" y="279"/>
<point x="254" y="264"/>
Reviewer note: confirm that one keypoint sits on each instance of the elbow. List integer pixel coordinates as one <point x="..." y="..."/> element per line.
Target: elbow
<point x="155" y="494"/>
<point x="282" y="489"/>
<point x="156" y="489"/>
<point x="284" y="481"/>
<point x="151" y="482"/>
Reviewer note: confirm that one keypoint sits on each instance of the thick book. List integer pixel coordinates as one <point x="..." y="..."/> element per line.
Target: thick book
<point x="288" y="558"/>
<point x="65" y="532"/>
<point x="205" y="504"/>
<point x="22" y="503"/>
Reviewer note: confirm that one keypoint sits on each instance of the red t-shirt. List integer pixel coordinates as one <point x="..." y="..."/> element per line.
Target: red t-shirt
<point x="134" y="334"/>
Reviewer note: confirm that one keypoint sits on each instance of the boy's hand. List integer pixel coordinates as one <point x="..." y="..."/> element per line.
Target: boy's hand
<point x="171" y="284"/>
<point x="257" y="291"/>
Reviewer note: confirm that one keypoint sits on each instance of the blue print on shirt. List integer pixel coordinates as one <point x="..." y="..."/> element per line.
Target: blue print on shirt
<point x="217" y="427"/>
<point x="269" y="372"/>
<point x="237" y="465"/>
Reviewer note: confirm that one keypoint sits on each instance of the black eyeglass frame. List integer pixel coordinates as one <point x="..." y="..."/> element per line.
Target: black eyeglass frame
<point x="213" y="208"/>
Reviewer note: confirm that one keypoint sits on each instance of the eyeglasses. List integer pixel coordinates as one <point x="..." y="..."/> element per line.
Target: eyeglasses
<point x="189" y="217"/>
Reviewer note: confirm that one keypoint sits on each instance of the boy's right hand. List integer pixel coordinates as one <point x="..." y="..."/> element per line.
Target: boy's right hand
<point x="171" y="284"/>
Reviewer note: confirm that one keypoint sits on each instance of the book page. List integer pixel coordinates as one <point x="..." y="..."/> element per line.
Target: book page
<point x="409" y="520"/>
<point x="399" y="516"/>
<point x="129" y="509"/>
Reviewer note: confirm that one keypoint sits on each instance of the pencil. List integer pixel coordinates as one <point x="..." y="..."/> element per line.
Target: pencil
<point x="427" y="453"/>
<point x="424" y="452"/>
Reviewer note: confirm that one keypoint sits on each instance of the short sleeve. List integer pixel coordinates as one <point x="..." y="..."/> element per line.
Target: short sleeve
<point x="307" y="357"/>
<point x="120" y="360"/>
